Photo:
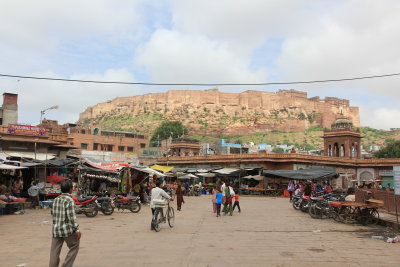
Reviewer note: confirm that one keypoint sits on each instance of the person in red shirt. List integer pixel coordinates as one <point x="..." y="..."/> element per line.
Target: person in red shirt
<point x="328" y="189"/>
<point x="236" y="201"/>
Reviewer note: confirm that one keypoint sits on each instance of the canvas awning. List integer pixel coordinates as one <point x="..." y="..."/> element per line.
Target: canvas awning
<point x="9" y="167"/>
<point x="227" y="171"/>
<point x="162" y="168"/>
<point x="207" y="174"/>
<point x="255" y="177"/>
<point x="189" y="176"/>
<point x="305" y="174"/>
<point x="148" y="170"/>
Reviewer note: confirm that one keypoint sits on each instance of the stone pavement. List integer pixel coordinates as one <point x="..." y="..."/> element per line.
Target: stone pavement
<point x="268" y="232"/>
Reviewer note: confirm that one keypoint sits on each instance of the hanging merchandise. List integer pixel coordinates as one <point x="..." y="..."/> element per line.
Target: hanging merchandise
<point x="123" y="181"/>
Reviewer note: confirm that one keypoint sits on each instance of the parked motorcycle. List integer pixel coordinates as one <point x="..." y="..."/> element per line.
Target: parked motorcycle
<point x="296" y="201"/>
<point x="86" y="205"/>
<point x="105" y="205"/>
<point x="131" y="203"/>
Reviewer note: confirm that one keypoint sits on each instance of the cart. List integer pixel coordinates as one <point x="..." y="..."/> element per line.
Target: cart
<point x="361" y="213"/>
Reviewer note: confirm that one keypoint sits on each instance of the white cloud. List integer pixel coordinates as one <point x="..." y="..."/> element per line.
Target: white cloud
<point x="72" y="98"/>
<point x="247" y="22"/>
<point x="381" y="118"/>
<point x="356" y="38"/>
<point x="170" y="56"/>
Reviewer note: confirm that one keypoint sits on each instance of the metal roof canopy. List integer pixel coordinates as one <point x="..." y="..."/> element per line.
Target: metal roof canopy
<point x="305" y="174"/>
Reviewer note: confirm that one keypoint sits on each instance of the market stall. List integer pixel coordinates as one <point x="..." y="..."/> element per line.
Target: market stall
<point x="10" y="203"/>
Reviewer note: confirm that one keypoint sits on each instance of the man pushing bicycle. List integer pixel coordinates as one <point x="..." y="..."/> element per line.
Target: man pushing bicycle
<point x="158" y="196"/>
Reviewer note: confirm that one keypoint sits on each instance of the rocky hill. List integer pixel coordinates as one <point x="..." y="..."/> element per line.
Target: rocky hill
<point x="217" y="113"/>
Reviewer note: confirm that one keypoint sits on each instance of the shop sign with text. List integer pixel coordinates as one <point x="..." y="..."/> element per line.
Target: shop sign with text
<point x="26" y="130"/>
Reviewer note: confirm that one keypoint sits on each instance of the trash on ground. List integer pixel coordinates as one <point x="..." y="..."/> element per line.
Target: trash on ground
<point x="377" y="237"/>
<point x="392" y="239"/>
<point x="316" y="231"/>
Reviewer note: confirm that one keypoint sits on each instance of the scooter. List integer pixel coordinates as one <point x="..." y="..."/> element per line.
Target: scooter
<point x="86" y="205"/>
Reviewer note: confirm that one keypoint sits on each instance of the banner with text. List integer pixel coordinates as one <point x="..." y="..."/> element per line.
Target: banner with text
<point x="26" y="130"/>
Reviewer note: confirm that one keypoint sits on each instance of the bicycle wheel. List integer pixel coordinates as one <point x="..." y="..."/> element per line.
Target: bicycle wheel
<point x="373" y="217"/>
<point x="156" y="220"/>
<point x="171" y="216"/>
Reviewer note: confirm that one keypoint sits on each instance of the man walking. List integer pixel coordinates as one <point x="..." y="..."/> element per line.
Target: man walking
<point x="65" y="227"/>
<point x="33" y="193"/>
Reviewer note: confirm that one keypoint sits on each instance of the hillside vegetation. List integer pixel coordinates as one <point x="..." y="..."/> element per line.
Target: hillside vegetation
<point x="310" y="139"/>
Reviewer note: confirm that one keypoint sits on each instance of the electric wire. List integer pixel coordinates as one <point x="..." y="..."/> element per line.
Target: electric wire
<point x="199" y="84"/>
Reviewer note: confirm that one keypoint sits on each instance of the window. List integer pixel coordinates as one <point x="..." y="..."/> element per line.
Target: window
<point x="130" y="149"/>
<point x="142" y="145"/>
<point x="110" y="147"/>
<point x="95" y="146"/>
<point x="121" y="148"/>
<point x="83" y="131"/>
<point x="84" y="145"/>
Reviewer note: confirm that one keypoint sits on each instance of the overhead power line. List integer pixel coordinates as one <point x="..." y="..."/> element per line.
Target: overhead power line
<point x="198" y="84"/>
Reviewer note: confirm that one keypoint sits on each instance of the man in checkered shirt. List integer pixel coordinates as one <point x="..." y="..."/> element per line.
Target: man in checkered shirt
<point x="65" y="227"/>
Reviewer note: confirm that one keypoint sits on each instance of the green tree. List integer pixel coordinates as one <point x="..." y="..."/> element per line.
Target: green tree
<point x="167" y="129"/>
<point x="391" y="150"/>
<point x="278" y="150"/>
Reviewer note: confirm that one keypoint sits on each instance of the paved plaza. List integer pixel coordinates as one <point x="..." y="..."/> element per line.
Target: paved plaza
<point x="268" y="232"/>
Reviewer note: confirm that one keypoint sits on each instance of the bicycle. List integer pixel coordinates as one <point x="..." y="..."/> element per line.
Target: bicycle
<point x="159" y="216"/>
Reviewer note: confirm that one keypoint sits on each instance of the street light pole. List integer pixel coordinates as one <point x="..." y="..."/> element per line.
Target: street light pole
<point x="42" y="112"/>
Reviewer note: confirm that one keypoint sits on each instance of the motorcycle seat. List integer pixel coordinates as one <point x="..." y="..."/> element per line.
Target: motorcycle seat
<point x="100" y="199"/>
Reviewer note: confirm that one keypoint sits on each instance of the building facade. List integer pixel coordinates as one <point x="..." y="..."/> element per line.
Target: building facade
<point x="103" y="145"/>
<point x="342" y="140"/>
<point x="9" y="109"/>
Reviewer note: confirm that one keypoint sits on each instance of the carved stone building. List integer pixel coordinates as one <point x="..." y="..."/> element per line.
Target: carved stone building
<point x="185" y="147"/>
<point x="342" y="140"/>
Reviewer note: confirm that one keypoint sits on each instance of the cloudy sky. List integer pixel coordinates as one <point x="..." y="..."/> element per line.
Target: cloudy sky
<point x="207" y="41"/>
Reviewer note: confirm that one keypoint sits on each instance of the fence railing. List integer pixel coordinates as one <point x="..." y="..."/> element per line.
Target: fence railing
<point x="388" y="198"/>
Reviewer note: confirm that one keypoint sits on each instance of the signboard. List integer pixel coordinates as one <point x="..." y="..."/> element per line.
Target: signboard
<point x="387" y="173"/>
<point x="396" y="179"/>
<point x="26" y="130"/>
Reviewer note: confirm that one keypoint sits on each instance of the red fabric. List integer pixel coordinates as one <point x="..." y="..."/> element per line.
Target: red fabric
<point x="285" y="193"/>
<point x="54" y="179"/>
